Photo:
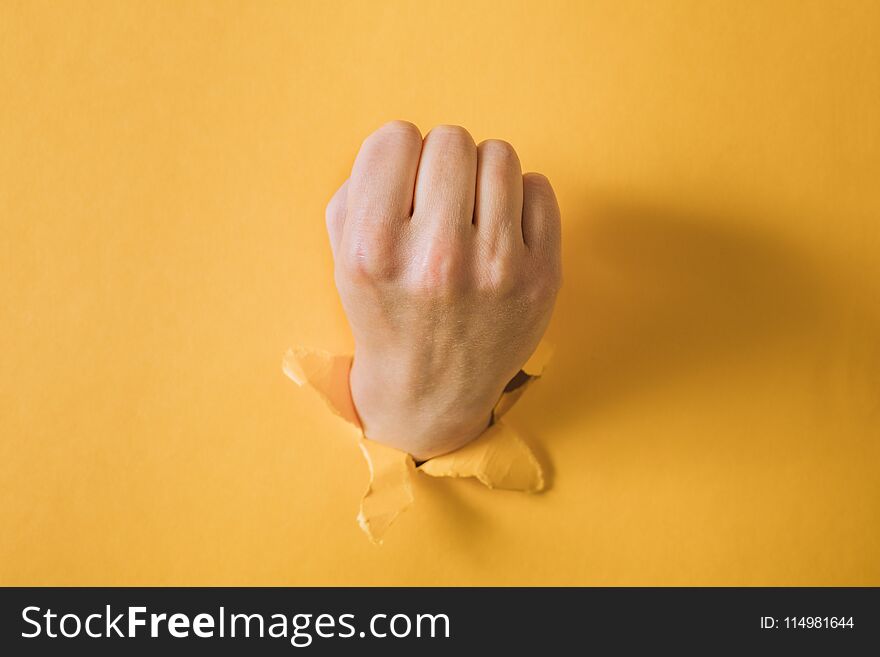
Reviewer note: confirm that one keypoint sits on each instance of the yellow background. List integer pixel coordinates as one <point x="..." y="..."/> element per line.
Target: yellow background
<point x="713" y="412"/>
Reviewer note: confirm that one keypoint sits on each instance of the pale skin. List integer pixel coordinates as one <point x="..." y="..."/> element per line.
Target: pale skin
<point x="447" y="261"/>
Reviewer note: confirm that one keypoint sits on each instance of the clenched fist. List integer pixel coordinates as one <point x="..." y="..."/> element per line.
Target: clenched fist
<point x="447" y="261"/>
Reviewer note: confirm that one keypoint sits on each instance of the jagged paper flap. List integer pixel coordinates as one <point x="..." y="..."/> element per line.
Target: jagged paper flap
<point x="389" y="492"/>
<point x="499" y="458"/>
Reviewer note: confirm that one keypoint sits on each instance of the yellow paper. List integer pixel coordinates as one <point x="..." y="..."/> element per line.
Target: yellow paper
<point x="390" y="491"/>
<point x="712" y="412"/>
<point x="325" y="373"/>
<point x="536" y="363"/>
<point x="499" y="459"/>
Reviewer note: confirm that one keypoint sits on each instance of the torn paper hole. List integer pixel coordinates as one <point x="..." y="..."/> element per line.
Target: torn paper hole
<point x="533" y="369"/>
<point x="499" y="458"/>
<point x="390" y="490"/>
<point x="325" y="373"/>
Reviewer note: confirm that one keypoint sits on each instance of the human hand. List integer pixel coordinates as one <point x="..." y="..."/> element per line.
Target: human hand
<point x="447" y="261"/>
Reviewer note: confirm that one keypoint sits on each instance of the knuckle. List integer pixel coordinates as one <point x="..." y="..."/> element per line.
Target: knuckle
<point x="395" y="133"/>
<point x="498" y="277"/>
<point x="366" y="270"/>
<point x="534" y="285"/>
<point x="538" y="187"/>
<point x="452" y="137"/>
<point x="498" y="272"/>
<point x="441" y="271"/>
<point x="500" y="153"/>
<point x="368" y="258"/>
<point x="333" y="214"/>
<point x="537" y="179"/>
<point x="403" y="127"/>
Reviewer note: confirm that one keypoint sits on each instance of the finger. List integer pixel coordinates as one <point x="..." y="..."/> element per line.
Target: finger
<point x="446" y="181"/>
<point x="335" y="216"/>
<point x="381" y="185"/>
<point x="499" y="200"/>
<point x="540" y="218"/>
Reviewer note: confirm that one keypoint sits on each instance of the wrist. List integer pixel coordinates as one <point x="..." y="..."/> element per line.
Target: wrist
<point x="398" y="407"/>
